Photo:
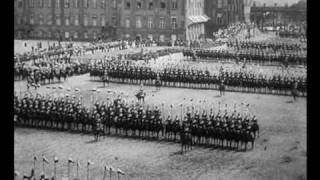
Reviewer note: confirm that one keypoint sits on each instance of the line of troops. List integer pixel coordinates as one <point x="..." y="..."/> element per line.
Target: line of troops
<point x="235" y="80"/>
<point x="128" y="119"/>
<point x="47" y="72"/>
<point x="151" y="55"/>
<point x="257" y="56"/>
<point x="291" y="34"/>
<point x="267" y="45"/>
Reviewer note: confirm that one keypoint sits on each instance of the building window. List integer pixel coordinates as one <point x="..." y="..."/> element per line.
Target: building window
<point x="57" y="3"/>
<point x="40" y="19"/>
<point x="139" y="5"/>
<point x="219" y="4"/>
<point x="162" y="23"/>
<point x="67" y="20"/>
<point x="138" y="22"/>
<point x="173" y="37"/>
<point x="161" y="38"/>
<point x="114" y="4"/>
<point x="127" y="23"/>
<point x="150" y="22"/>
<point x="103" y="4"/>
<point x="103" y="20"/>
<point x="174" y="4"/>
<point x="219" y="18"/>
<point x="20" y="4"/>
<point x="58" y="22"/>
<point x="49" y="20"/>
<point x="113" y="20"/>
<point x="66" y="34"/>
<point x="75" y="35"/>
<point x="32" y="19"/>
<point x="174" y="22"/>
<point x="94" y="20"/>
<point x="18" y="20"/>
<point x="66" y="4"/>
<point x="85" y="35"/>
<point x="40" y="5"/>
<point x="49" y="2"/>
<point x="76" y="20"/>
<point x="86" y="3"/>
<point x="94" y="35"/>
<point x="94" y="2"/>
<point x="127" y="5"/>
<point x="162" y="5"/>
<point x="213" y="15"/>
<point x="40" y="34"/>
<point x="85" y="20"/>
<point x="150" y="5"/>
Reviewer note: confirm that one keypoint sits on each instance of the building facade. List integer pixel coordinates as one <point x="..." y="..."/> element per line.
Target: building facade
<point x="161" y="20"/>
<point x="64" y="19"/>
<point x="278" y="15"/>
<point x="152" y="19"/>
<point x="223" y="13"/>
<point x="196" y="19"/>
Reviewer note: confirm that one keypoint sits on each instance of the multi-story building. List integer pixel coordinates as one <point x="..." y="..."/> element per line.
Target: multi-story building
<point x="64" y="19"/>
<point x="163" y="20"/>
<point x="278" y="15"/>
<point x="223" y="13"/>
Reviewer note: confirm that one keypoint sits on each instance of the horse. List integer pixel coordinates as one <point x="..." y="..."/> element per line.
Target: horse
<point x="255" y="129"/>
<point x="97" y="131"/>
<point x="246" y="137"/>
<point x="186" y="140"/>
<point x="140" y="96"/>
<point x="294" y="92"/>
<point x="158" y="84"/>
<point x="222" y="88"/>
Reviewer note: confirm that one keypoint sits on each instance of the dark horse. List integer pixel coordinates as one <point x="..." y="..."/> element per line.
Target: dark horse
<point x="186" y="140"/>
<point x="140" y="96"/>
<point x="97" y="131"/>
<point x="222" y="88"/>
<point x="158" y="84"/>
<point x="295" y="91"/>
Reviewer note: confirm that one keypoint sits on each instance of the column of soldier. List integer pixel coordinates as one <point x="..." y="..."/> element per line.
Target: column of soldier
<point x="256" y="56"/>
<point x="271" y="52"/>
<point x="48" y="70"/>
<point x="70" y="164"/>
<point x="246" y="78"/>
<point x="48" y="67"/>
<point x="118" y="116"/>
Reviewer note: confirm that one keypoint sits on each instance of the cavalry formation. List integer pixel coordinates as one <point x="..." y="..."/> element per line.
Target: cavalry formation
<point x="217" y="127"/>
<point x="179" y="73"/>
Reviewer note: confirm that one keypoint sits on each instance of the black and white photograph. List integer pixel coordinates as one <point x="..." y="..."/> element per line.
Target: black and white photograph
<point x="160" y="90"/>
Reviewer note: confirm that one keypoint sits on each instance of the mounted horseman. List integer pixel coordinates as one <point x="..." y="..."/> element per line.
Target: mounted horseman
<point x="141" y="94"/>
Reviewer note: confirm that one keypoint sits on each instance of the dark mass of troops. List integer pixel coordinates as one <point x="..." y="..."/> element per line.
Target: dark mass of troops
<point x="225" y="129"/>
<point x="222" y="129"/>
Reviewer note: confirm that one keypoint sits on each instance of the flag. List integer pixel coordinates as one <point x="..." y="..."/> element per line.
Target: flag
<point x="120" y="172"/>
<point x="70" y="160"/>
<point x="89" y="163"/>
<point x="44" y="159"/>
<point x="56" y="159"/>
<point x="16" y="173"/>
<point x="112" y="169"/>
<point x="106" y="168"/>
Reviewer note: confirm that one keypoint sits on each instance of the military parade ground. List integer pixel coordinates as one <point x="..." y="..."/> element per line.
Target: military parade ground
<point x="89" y="113"/>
